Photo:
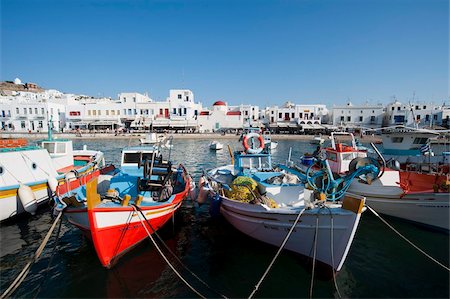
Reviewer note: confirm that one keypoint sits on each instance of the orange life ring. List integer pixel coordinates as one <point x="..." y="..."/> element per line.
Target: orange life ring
<point x="248" y="148"/>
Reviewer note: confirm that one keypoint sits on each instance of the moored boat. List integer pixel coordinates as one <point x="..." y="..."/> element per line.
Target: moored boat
<point x="411" y="195"/>
<point x="109" y="208"/>
<point x="30" y="174"/>
<point x="265" y="203"/>
<point x="215" y="145"/>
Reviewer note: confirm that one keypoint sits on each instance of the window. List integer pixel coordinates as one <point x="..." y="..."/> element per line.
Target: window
<point x="361" y="112"/>
<point x="420" y="140"/>
<point x="373" y="111"/>
<point x="435" y="117"/>
<point x="271" y="112"/>
<point x="187" y="98"/>
<point x="398" y="108"/>
<point x="342" y="111"/>
<point x="113" y="112"/>
<point x="89" y="112"/>
<point x="51" y="111"/>
<point x="179" y="96"/>
<point x="360" y="118"/>
<point x="134" y="99"/>
<point x="30" y="110"/>
<point x="185" y="111"/>
<point x="174" y="110"/>
<point x="245" y="112"/>
<point x="107" y="112"/>
<point x="280" y="115"/>
<point x="418" y="117"/>
<point x="293" y="114"/>
<point x="24" y="110"/>
<point x="372" y="118"/>
<point x="42" y="111"/>
<point x="417" y="107"/>
<point x="118" y="112"/>
<point x="427" y="117"/>
<point x="393" y="108"/>
<point x="99" y="112"/>
<point x="22" y="124"/>
<point x="349" y="118"/>
<point x="35" y="111"/>
<point x="17" y="110"/>
<point x="94" y="112"/>
<point x="342" y="118"/>
<point x="129" y="111"/>
<point x="124" y="111"/>
<point x="40" y="124"/>
<point x="60" y="148"/>
<point x="424" y="107"/>
<point x="195" y="112"/>
<point x="300" y="115"/>
<point x="397" y="139"/>
<point x="134" y="111"/>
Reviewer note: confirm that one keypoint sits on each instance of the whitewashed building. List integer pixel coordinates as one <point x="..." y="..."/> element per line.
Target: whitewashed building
<point x="355" y="116"/>
<point x="220" y="117"/>
<point x="411" y="114"/>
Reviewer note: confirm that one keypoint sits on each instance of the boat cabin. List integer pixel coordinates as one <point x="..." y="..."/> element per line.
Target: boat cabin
<point x="340" y="155"/>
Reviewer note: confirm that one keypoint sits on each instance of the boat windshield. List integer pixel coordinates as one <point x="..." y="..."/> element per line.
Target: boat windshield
<point x="259" y="163"/>
<point x="134" y="157"/>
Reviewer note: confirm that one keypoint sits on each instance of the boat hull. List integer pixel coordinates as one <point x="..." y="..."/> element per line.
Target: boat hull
<point x="430" y="209"/>
<point x="271" y="226"/>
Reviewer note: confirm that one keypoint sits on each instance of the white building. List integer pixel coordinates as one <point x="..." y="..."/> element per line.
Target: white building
<point x="25" y="112"/>
<point x="294" y="117"/>
<point x="354" y="116"/>
<point x="221" y="116"/>
<point x="422" y="114"/>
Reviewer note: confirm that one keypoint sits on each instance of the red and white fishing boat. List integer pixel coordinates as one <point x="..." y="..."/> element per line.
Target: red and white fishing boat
<point x="109" y="208"/>
<point x="415" y="196"/>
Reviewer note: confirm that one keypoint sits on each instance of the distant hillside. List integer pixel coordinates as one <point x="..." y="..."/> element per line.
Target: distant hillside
<point x="6" y="86"/>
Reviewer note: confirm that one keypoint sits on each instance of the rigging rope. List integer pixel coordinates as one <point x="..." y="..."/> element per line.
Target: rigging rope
<point x="19" y="279"/>
<point x="404" y="238"/>
<point x="278" y="253"/>
<point x="164" y="257"/>
<point x="178" y="260"/>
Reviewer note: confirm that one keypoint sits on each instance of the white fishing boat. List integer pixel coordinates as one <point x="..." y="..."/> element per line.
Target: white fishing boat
<point x="273" y="202"/>
<point x="317" y="139"/>
<point x="268" y="142"/>
<point x="152" y="138"/>
<point x="415" y="196"/>
<point x="29" y="175"/>
<point x="215" y="145"/>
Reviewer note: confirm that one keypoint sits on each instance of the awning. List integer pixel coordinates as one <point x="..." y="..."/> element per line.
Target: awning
<point x="104" y="123"/>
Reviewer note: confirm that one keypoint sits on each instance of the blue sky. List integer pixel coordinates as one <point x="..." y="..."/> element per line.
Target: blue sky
<point x="258" y="52"/>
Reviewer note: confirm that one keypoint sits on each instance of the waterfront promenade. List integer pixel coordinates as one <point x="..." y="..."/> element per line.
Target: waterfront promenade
<point x="205" y="136"/>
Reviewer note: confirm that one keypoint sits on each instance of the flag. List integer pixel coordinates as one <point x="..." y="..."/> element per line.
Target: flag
<point x="424" y="149"/>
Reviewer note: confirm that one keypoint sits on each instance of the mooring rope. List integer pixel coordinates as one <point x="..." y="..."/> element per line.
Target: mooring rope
<point x="50" y="261"/>
<point x="332" y="255"/>
<point x="277" y="254"/>
<point x="407" y="240"/>
<point x="19" y="279"/>
<point x="165" y="258"/>
<point x="178" y="260"/>
<point x="316" y="232"/>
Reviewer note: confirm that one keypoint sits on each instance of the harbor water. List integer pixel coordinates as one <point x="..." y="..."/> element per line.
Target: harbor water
<point x="379" y="265"/>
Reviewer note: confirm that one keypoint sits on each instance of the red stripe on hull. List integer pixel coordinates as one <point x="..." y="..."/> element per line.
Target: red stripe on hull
<point x="111" y="243"/>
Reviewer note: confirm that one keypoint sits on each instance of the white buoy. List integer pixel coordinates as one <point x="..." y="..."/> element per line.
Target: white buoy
<point x="27" y="198"/>
<point x="52" y="183"/>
